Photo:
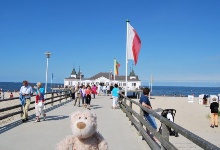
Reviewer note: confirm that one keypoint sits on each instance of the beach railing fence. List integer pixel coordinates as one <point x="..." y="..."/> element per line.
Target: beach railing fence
<point x="13" y="110"/>
<point x="138" y="121"/>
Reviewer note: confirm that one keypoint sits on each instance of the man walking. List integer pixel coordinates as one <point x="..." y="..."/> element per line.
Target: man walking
<point x="26" y="91"/>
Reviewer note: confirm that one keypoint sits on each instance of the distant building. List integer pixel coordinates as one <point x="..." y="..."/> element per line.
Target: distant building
<point x="103" y="78"/>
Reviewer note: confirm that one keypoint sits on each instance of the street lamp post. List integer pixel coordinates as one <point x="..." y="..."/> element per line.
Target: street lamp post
<point x="80" y="78"/>
<point x="48" y="56"/>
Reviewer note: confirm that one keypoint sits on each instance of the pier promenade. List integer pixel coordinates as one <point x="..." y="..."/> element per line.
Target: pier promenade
<point x="112" y="124"/>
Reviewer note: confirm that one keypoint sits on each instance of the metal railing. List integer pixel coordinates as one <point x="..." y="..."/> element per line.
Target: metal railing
<point x="137" y="119"/>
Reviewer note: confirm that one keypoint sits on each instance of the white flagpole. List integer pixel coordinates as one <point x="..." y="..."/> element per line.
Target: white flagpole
<point x="126" y="63"/>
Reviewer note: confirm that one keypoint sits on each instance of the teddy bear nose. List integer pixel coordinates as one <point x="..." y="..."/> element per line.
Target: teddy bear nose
<point x="81" y="125"/>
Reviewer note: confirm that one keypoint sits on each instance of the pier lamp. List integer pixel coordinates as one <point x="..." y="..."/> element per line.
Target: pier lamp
<point x="80" y="77"/>
<point x="48" y="56"/>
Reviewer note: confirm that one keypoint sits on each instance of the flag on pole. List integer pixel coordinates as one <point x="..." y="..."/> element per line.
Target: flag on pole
<point x="133" y="44"/>
<point x="116" y="66"/>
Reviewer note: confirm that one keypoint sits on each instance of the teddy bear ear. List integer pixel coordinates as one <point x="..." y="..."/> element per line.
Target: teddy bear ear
<point x="74" y="114"/>
<point x="93" y="115"/>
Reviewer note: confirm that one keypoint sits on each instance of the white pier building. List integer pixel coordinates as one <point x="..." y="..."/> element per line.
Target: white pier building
<point x="104" y="78"/>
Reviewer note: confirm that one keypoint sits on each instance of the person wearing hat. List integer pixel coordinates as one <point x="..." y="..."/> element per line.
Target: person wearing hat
<point x="26" y="91"/>
<point x="214" y="113"/>
<point x="39" y="103"/>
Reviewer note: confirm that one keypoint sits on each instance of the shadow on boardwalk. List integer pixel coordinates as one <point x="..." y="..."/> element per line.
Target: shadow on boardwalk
<point x="112" y="124"/>
<point x="19" y="122"/>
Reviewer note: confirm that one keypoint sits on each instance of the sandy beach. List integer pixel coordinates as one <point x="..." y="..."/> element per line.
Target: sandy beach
<point x="194" y="117"/>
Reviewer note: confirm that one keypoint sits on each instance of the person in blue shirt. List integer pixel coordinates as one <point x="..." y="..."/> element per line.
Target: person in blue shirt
<point x="115" y="95"/>
<point x="39" y="103"/>
<point x="144" y="101"/>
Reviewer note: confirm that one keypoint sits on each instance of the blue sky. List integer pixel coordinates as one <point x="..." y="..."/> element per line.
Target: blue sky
<point x="180" y="39"/>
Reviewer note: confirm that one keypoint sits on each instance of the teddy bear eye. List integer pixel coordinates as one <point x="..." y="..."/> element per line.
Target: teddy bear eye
<point x="79" y="117"/>
<point x="85" y="117"/>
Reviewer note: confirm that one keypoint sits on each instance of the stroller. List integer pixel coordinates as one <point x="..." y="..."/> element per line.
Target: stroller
<point x="169" y="114"/>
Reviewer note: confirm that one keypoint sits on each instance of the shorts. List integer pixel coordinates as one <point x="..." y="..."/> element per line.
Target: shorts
<point x="151" y="120"/>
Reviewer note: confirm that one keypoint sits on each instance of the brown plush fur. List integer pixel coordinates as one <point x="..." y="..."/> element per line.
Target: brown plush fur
<point x="83" y="139"/>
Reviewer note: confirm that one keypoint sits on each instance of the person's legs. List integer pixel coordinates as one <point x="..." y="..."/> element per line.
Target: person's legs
<point x="84" y="101"/>
<point x="76" y="98"/>
<point x="93" y="95"/>
<point x="151" y="121"/>
<point x="116" y="101"/>
<point x="88" y="101"/>
<point x="212" y="120"/>
<point x="113" y="102"/>
<point x="216" y="119"/>
<point x="26" y="107"/>
<point x="37" y="112"/>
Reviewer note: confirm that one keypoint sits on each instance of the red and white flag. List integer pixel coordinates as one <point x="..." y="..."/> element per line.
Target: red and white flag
<point x="133" y="44"/>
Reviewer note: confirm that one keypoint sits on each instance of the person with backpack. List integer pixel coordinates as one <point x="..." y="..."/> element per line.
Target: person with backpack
<point x="214" y="113"/>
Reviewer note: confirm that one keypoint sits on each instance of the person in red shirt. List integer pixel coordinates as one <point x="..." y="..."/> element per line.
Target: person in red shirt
<point x="88" y="96"/>
<point x="94" y="92"/>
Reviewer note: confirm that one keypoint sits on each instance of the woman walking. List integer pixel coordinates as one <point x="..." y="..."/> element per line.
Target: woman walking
<point x="39" y="103"/>
<point x="214" y="113"/>
<point x="94" y="92"/>
<point x="88" y="96"/>
<point x="115" y="95"/>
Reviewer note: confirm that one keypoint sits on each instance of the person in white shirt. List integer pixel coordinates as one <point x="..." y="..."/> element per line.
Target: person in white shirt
<point x="108" y="90"/>
<point x="27" y="92"/>
<point x="104" y="89"/>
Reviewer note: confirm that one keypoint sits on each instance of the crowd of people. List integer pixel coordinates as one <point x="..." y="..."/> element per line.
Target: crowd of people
<point x="83" y="94"/>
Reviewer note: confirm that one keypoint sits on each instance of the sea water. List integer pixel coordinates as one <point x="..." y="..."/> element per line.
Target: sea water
<point x="182" y="91"/>
<point x="15" y="86"/>
<point x="156" y="90"/>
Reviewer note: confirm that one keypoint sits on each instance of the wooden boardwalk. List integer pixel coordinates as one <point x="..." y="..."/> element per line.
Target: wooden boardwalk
<point x="112" y="124"/>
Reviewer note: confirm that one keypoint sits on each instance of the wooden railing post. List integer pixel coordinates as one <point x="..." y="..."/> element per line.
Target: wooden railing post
<point x="60" y="97"/>
<point x="140" y="124"/>
<point x="52" y="98"/>
<point x="125" y="100"/>
<point x="66" y="94"/>
<point x="130" y="105"/>
<point x="165" y="134"/>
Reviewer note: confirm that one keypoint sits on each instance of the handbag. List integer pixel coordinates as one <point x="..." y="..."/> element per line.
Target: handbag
<point x="40" y="104"/>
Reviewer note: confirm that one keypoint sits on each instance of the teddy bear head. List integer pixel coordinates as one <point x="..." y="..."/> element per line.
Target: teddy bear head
<point x="83" y="124"/>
